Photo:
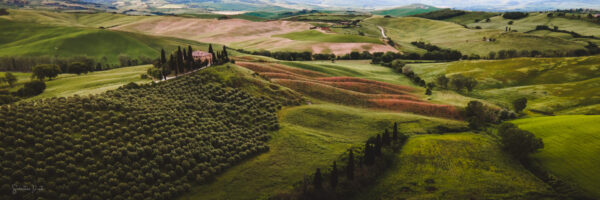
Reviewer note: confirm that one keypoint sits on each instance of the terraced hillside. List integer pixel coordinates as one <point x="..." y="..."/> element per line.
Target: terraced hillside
<point x="455" y="166"/>
<point x="571" y="148"/>
<point x="561" y="85"/>
<point x="350" y="90"/>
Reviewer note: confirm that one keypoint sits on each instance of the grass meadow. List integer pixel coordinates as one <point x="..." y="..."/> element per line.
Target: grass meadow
<point x="317" y="36"/>
<point x="94" y="82"/>
<point x="469" y="41"/>
<point x="571" y="148"/>
<point x="308" y="139"/>
<point x="22" y="77"/>
<point x="561" y="85"/>
<point x="455" y="166"/>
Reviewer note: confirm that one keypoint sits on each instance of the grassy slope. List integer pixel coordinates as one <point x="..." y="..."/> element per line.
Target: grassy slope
<point x="216" y="16"/>
<point x="308" y="139"/>
<point x="363" y="69"/>
<point x="470" y="17"/>
<point x="21" y="79"/>
<point x="462" y="166"/>
<point x="36" y="33"/>
<point x="94" y="82"/>
<point x="468" y="41"/>
<point x="353" y="68"/>
<point x="550" y="84"/>
<point x="318" y="36"/>
<point x="92" y="20"/>
<point x="404" y="11"/>
<point x="328" y="17"/>
<point x="571" y="148"/>
<point x="534" y="19"/>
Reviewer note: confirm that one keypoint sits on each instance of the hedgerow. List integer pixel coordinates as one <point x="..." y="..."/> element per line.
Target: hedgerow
<point x="137" y="142"/>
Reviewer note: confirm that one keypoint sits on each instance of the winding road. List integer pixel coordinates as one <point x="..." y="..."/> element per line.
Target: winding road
<point x="382" y="32"/>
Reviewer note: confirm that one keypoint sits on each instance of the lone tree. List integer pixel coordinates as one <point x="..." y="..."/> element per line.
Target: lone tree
<point x="475" y="112"/>
<point x="395" y="132"/>
<point x="518" y="143"/>
<point x="458" y="82"/>
<point x="520" y="104"/>
<point x="470" y="83"/>
<point x="350" y="166"/>
<point x="318" y="180"/>
<point x="3" y="11"/>
<point x="442" y="81"/>
<point x="45" y="70"/>
<point x="10" y="79"/>
<point x="334" y="176"/>
<point x="428" y="92"/>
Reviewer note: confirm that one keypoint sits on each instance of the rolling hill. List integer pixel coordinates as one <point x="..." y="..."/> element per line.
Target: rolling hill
<point x="468" y="41"/>
<point x="560" y="85"/>
<point x="570" y="148"/>
<point x="455" y="166"/>
<point x="406" y="10"/>
<point x="22" y="39"/>
<point x="530" y="22"/>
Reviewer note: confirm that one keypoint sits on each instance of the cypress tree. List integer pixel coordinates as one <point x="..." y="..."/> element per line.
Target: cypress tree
<point x="173" y="64"/>
<point x="378" y="145"/>
<point x="225" y="56"/>
<point x="350" y="166"/>
<point x="369" y="154"/>
<point x="212" y="52"/>
<point x="395" y="132"/>
<point x="386" y="138"/>
<point x="190" y="57"/>
<point x="179" y="60"/>
<point x="163" y="58"/>
<point x="318" y="181"/>
<point x="334" y="176"/>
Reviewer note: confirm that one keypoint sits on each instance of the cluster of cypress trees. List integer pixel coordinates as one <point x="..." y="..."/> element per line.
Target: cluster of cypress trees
<point x="182" y="60"/>
<point x="357" y="172"/>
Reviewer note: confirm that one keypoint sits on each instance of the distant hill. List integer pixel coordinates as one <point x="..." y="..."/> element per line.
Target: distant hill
<point x="406" y="10"/>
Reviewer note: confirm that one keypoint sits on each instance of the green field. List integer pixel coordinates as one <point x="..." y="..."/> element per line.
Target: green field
<point x="22" y="77"/>
<point x="317" y="36"/>
<point x="571" y="148"/>
<point x="455" y="166"/>
<point x="534" y="19"/>
<point x="563" y="85"/>
<point x="308" y="139"/>
<point x="90" y="20"/>
<point x="470" y="17"/>
<point x="363" y="69"/>
<point x="353" y="68"/>
<point x="329" y="17"/>
<point x="406" y="10"/>
<point x="44" y="34"/>
<point x="94" y="82"/>
<point x="454" y="36"/>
